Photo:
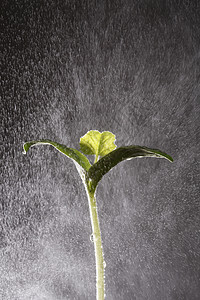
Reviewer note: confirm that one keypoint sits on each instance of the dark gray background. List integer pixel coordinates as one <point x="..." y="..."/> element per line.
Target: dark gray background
<point x="130" y="67"/>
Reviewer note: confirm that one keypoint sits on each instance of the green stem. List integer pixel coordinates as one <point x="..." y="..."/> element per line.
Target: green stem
<point x="96" y="233"/>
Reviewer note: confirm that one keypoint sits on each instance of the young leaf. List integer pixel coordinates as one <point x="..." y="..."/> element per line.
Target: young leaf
<point x="74" y="154"/>
<point x="97" y="143"/>
<point x="110" y="160"/>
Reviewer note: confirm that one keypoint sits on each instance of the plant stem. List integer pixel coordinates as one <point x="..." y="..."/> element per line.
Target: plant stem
<point x="96" y="233"/>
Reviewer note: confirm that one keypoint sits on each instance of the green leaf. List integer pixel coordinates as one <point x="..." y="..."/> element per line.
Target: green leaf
<point x="107" y="162"/>
<point x="97" y="143"/>
<point x="74" y="154"/>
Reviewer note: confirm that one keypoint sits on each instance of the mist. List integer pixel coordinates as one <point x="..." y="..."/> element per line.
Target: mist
<point x="129" y="67"/>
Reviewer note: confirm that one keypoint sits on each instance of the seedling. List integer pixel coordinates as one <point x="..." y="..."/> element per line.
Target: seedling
<point x="102" y="146"/>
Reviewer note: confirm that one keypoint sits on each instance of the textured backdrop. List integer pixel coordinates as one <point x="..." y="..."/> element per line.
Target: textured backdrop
<point x="130" y="67"/>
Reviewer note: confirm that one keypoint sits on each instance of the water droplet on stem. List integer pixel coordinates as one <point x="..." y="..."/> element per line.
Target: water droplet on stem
<point x="92" y="238"/>
<point x="104" y="264"/>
